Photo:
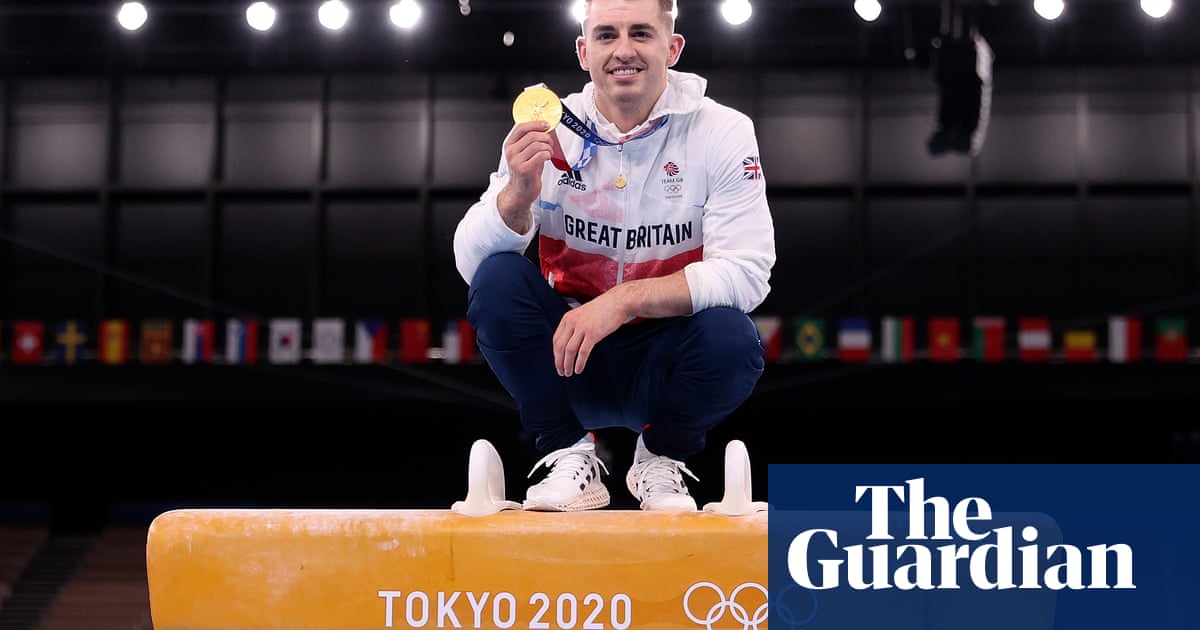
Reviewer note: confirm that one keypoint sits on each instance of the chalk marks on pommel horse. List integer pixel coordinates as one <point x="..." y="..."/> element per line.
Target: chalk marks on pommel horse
<point x="484" y="563"/>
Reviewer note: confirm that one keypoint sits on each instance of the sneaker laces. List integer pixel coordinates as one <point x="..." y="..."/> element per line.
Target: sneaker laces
<point x="574" y="460"/>
<point x="657" y="471"/>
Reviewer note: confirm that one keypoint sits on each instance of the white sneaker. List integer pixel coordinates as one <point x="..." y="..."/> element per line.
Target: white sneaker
<point x="573" y="483"/>
<point x="657" y="481"/>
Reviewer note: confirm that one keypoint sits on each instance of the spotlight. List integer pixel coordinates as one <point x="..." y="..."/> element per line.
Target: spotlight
<point x="1049" y="9"/>
<point x="405" y="13"/>
<point x="260" y="16"/>
<point x="1156" y="8"/>
<point x="132" y="15"/>
<point x="736" y="12"/>
<point x="333" y="14"/>
<point x="868" y="10"/>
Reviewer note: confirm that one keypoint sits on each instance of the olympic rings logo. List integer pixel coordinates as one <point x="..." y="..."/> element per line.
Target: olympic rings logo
<point x="672" y="188"/>
<point x="783" y="606"/>
<point x="736" y="610"/>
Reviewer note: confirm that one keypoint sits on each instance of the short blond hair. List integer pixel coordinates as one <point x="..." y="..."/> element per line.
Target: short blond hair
<point x="666" y="6"/>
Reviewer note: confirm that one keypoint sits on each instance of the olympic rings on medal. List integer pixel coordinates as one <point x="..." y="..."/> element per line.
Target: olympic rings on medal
<point x="736" y="609"/>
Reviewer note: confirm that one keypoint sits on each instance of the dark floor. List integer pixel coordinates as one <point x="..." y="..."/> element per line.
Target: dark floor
<point x="131" y="442"/>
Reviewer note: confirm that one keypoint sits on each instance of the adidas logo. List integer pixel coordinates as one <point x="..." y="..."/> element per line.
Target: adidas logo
<point x="573" y="179"/>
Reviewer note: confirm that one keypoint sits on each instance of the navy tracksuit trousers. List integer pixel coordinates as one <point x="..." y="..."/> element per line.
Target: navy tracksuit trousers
<point x="673" y="379"/>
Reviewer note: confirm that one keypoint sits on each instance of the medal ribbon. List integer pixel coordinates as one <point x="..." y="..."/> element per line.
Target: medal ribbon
<point x="591" y="139"/>
<point x="557" y="157"/>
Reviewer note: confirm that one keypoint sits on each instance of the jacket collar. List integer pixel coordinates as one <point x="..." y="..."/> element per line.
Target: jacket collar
<point x="684" y="94"/>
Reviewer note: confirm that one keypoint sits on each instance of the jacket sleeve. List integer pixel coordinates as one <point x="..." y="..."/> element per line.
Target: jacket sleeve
<point x="481" y="232"/>
<point x="739" y="234"/>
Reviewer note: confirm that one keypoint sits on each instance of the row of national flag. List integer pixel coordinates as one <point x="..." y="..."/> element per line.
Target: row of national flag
<point x="281" y="340"/>
<point x="989" y="339"/>
<point x="330" y="340"/>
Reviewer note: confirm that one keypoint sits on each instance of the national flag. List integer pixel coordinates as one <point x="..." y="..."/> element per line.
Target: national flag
<point x="285" y="340"/>
<point x="114" y="341"/>
<point x="458" y="341"/>
<point x="770" y="334"/>
<point x="466" y="336"/>
<point x="1171" y="344"/>
<point x="155" y="345"/>
<point x="898" y="341"/>
<point x="451" y="343"/>
<point x="414" y="340"/>
<point x="70" y="338"/>
<point x="28" y="336"/>
<point x="944" y="339"/>
<point x="1033" y="339"/>
<point x="1079" y="346"/>
<point x="1124" y="339"/>
<point x="198" y="340"/>
<point x="752" y="168"/>
<point x="808" y="337"/>
<point x="329" y="340"/>
<point x="854" y="340"/>
<point x="989" y="338"/>
<point x="370" y="341"/>
<point x="241" y="340"/>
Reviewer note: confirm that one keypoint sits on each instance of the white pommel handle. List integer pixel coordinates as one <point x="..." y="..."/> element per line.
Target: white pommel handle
<point x="485" y="483"/>
<point x="737" y="500"/>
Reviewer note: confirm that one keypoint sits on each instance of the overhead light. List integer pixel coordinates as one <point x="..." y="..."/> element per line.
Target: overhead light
<point x="260" y="16"/>
<point x="868" y="10"/>
<point x="1049" y="9"/>
<point x="736" y="12"/>
<point x="1156" y="8"/>
<point x="132" y="15"/>
<point x="333" y="14"/>
<point x="405" y="13"/>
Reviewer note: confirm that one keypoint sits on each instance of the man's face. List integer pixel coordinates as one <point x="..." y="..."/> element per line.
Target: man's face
<point x="627" y="47"/>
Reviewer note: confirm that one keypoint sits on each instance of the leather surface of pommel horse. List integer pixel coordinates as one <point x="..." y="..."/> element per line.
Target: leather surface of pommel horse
<point x="480" y="564"/>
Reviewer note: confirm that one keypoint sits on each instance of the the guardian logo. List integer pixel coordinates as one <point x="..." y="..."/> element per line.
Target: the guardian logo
<point x="987" y="558"/>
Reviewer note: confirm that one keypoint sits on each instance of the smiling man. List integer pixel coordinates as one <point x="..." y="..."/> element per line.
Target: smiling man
<point x="654" y="242"/>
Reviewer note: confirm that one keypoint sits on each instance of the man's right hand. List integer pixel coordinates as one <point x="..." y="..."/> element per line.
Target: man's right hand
<point x="526" y="151"/>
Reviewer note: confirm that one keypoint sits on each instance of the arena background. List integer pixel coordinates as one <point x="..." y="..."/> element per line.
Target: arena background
<point x="198" y="170"/>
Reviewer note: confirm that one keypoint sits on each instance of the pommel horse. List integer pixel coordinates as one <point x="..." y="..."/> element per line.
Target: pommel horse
<point x="483" y="563"/>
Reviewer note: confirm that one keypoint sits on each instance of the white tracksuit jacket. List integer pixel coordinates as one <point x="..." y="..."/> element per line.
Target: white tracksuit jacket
<point x="695" y="200"/>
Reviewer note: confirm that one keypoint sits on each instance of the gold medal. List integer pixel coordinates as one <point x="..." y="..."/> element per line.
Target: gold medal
<point x="620" y="181"/>
<point x="538" y="103"/>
